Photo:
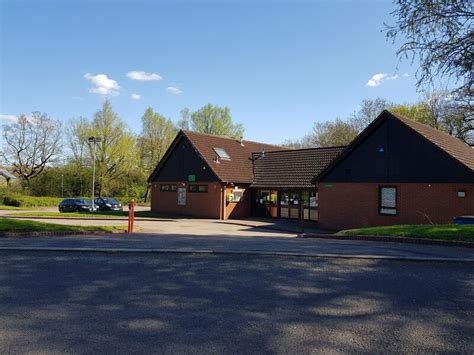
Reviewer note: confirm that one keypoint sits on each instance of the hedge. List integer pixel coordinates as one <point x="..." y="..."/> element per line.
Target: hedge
<point x="30" y="201"/>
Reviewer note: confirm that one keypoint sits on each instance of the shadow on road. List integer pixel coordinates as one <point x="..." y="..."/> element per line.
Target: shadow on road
<point x="215" y="304"/>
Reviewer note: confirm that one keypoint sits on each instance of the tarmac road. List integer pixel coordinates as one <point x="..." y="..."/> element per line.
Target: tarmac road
<point x="214" y="304"/>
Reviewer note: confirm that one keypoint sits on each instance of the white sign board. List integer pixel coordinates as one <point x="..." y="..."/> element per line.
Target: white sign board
<point x="181" y="196"/>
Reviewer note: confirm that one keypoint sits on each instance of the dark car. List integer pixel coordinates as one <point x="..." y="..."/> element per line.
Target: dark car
<point x="108" y="204"/>
<point x="76" y="205"/>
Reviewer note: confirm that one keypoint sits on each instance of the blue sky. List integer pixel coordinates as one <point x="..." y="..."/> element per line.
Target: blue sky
<point x="279" y="65"/>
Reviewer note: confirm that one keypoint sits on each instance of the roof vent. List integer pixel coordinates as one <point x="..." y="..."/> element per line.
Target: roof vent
<point x="241" y="141"/>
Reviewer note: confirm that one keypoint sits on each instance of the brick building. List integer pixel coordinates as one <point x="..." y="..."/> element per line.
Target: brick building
<point x="397" y="171"/>
<point x="205" y="176"/>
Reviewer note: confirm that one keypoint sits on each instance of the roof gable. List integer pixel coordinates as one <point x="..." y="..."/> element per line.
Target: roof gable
<point x="459" y="150"/>
<point x="236" y="169"/>
<point x="449" y="151"/>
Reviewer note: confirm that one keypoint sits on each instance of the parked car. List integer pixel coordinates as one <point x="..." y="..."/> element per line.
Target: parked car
<point x="464" y="220"/>
<point x="76" y="205"/>
<point x="108" y="204"/>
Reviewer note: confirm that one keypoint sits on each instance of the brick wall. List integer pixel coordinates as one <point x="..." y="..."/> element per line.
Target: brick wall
<point x="353" y="205"/>
<point x="198" y="204"/>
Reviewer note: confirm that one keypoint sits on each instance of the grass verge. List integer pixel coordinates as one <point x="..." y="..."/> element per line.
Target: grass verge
<point x="101" y="214"/>
<point x="456" y="232"/>
<point x="13" y="208"/>
<point x="12" y="225"/>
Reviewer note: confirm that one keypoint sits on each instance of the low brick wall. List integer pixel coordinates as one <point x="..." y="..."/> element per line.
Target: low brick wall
<point x="356" y="205"/>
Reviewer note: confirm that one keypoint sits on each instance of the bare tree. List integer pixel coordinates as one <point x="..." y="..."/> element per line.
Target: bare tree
<point x="30" y="144"/>
<point x="183" y="122"/>
<point x="440" y="34"/>
<point x="369" y="110"/>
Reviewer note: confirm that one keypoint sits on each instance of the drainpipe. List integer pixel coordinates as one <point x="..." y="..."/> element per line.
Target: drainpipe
<point x="222" y="201"/>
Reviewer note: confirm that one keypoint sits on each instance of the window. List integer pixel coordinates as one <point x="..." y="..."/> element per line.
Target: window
<point x="197" y="188"/>
<point x="221" y="153"/>
<point x="168" y="188"/>
<point x="237" y="195"/>
<point x="388" y="201"/>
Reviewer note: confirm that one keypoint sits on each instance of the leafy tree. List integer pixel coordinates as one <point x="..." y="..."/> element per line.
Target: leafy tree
<point x="215" y="120"/>
<point x="440" y="35"/>
<point x="77" y="132"/>
<point x="438" y="109"/>
<point x="65" y="180"/>
<point x="31" y="144"/>
<point x="157" y="134"/>
<point x="333" y="133"/>
<point x="116" y="153"/>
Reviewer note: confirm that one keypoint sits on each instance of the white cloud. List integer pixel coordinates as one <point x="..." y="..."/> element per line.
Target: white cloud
<point x="174" y="90"/>
<point x="143" y="76"/>
<point x="135" y="97"/>
<point x="8" y="118"/>
<point x="379" y="78"/>
<point x="103" y="85"/>
<point x="406" y="75"/>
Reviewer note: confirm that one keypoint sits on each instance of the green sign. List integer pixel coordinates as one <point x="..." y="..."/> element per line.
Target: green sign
<point x="328" y="186"/>
<point x="191" y="178"/>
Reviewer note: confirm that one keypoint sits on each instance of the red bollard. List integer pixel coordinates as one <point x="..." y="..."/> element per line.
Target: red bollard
<point x="131" y="216"/>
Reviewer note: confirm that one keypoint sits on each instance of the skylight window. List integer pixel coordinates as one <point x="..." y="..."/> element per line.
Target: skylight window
<point x="222" y="154"/>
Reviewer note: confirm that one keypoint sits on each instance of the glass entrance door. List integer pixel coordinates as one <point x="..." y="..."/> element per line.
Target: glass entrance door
<point x="290" y="204"/>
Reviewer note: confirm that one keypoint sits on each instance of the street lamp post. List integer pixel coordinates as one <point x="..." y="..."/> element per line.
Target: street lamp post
<point x="94" y="141"/>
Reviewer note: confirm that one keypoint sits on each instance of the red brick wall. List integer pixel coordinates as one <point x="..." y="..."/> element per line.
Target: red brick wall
<point x="353" y="205"/>
<point x="239" y="209"/>
<point x="198" y="204"/>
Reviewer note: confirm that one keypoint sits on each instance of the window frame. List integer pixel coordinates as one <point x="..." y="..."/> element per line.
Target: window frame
<point x="170" y="188"/>
<point x="197" y="188"/>
<point x="395" y="209"/>
<point x="217" y="149"/>
<point x="240" y="192"/>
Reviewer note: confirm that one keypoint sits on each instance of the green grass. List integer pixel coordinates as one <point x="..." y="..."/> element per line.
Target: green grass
<point x="101" y="214"/>
<point x="14" y="225"/>
<point x="428" y="231"/>
<point x="13" y="208"/>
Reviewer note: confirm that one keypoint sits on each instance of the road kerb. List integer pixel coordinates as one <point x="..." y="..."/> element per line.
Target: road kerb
<point x="236" y="252"/>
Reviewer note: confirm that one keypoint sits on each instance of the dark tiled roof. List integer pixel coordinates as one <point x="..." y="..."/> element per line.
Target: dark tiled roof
<point x="239" y="168"/>
<point x="451" y="145"/>
<point x="292" y="168"/>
